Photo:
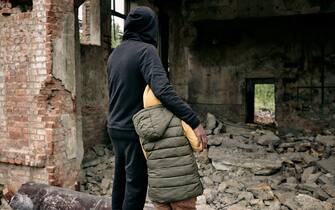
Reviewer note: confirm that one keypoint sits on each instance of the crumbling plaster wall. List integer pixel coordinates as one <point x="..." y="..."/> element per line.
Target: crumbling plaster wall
<point x="94" y="79"/>
<point x="215" y="46"/>
<point x="38" y="87"/>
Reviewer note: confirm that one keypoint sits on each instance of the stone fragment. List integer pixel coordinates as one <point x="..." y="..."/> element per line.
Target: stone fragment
<point x="290" y="187"/>
<point x="201" y="200"/>
<point x="272" y="204"/>
<point x="217" y="177"/>
<point x="247" y="196"/>
<point x="259" y="163"/>
<point x="320" y="194"/>
<point x="214" y="140"/>
<point x="302" y="146"/>
<point x="210" y="122"/>
<point x="89" y="156"/>
<point x="210" y="195"/>
<point x="222" y="187"/>
<point x="91" y="163"/>
<point x="328" y="165"/>
<point x="307" y="202"/>
<point x="255" y="202"/>
<point x="269" y="138"/>
<point x="219" y="129"/>
<point x="287" y="145"/>
<point x="311" y="187"/>
<point x="287" y="199"/>
<point x="291" y="180"/>
<point x="329" y="189"/>
<point x="105" y="184"/>
<point x="207" y="181"/>
<point x="326" y="140"/>
<point x="327" y="179"/>
<point x="203" y="157"/>
<point x="307" y="173"/>
<point x="262" y="191"/>
<point x="235" y="184"/>
<point x="331" y="200"/>
<point x="99" y="149"/>
<point x="237" y="207"/>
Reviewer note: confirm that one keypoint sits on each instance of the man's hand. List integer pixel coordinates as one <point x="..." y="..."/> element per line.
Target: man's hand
<point x="202" y="137"/>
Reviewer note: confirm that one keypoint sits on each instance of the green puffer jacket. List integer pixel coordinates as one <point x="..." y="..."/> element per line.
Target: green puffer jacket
<point x="172" y="169"/>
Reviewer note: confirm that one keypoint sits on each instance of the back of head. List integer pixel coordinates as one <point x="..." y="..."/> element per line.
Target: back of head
<point x="141" y="25"/>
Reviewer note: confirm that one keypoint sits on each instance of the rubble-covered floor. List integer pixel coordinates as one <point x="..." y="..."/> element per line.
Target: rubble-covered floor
<point x="247" y="167"/>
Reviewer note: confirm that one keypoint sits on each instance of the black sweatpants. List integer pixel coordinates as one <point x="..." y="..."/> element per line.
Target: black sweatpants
<point x="130" y="176"/>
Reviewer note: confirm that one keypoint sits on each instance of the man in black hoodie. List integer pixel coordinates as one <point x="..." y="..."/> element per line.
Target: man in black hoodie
<point x="132" y="65"/>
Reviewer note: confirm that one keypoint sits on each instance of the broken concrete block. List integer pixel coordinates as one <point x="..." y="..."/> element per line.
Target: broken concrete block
<point x="210" y="122"/>
<point x="247" y="196"/>
<point x="215" y="140"/>
<point x="105" y="184"/>
<point x="329" y="189"/>
<point x="307" y="173"/>
<point x="328" y="165"/>
<point x="287" y="199"/>
<point x="307" y="202"/>
<point x="268" y="138"/>
<point x="328" y="179"/>
<point x="326" y="140"/>
<point x="272" y="204"/>
<point x="99" y="149"/>
<point x="219" y="129"/>
<point x="262" y="191"/>
<point x="258" y="163"/>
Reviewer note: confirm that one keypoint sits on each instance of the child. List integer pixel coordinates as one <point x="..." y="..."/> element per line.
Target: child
<point x="174" y="182"/>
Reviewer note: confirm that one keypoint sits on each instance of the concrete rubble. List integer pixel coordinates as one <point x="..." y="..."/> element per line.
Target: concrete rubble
<point x="246" y="167"/>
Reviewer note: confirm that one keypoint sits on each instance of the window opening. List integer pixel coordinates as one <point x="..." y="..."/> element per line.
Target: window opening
<point x="118" y="16"/>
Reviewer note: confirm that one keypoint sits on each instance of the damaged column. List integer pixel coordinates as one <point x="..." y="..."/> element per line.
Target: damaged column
<point x="40" y="129"/>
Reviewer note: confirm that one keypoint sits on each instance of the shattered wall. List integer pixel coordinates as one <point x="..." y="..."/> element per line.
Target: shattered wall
<point x="40" y="130"/>
<point x="215" y="46"/>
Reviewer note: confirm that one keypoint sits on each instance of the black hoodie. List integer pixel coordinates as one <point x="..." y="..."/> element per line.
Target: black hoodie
<point x="132" y="65"/>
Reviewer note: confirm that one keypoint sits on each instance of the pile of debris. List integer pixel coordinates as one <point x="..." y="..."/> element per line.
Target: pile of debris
<point x="98" y="170"/>
<point x="264" y="116"/>
<point x="246" y="168"/>
<point x="255" y="169"/>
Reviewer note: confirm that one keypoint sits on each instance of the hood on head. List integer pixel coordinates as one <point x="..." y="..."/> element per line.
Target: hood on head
<point x="141" y="25"/>
<point x="151" y="123"/>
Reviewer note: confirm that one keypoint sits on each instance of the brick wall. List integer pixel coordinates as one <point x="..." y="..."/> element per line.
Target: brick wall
<point x="37" y="113"/>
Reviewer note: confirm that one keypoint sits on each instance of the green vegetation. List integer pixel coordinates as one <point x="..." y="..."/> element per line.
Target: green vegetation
<point x="116" y="35"/>
<point x="265" y="97"/>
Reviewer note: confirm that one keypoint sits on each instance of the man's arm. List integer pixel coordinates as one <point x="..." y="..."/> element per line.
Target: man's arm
<point x="155" y="76"/>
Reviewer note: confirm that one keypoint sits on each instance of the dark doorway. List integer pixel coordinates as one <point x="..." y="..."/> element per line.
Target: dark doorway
<point x="260" y="100"/>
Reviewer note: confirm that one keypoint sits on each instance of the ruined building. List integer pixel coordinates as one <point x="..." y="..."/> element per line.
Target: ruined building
<point x="53" y="93"/>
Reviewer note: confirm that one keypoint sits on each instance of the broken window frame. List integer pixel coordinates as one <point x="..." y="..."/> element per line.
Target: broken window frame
<point x="114" y="13"/>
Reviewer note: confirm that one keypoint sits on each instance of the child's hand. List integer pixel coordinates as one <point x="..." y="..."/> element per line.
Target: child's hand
<point x="201" y="135"/>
